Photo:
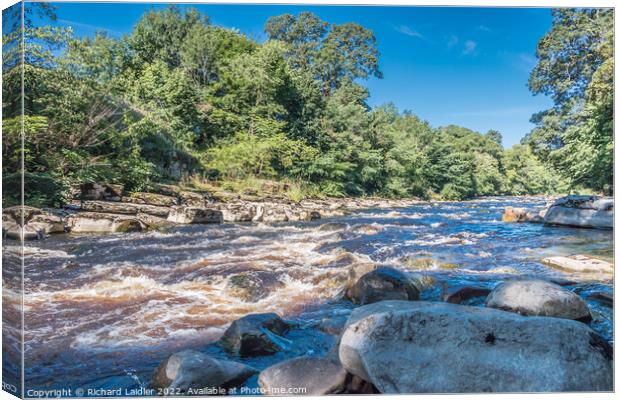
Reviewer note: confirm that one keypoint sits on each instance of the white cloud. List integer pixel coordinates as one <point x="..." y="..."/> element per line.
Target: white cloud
<point x="452" y="41"/>
<point x="88" y="26"/>
<point x="406" y="30"/>
<point x="470" y="47"/>
<point x="484" y="28"/>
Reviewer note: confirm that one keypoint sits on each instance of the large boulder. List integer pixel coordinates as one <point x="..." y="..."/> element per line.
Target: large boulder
<point x="254" y="335"/>
<point x="436" y="347"/>
<point x="191" y="370"/>
<point x="582" y="212"/>
<point x="194" y="215"/>
<point x="314" y="376"/>
<point x="536" y="297"/>
<point x="384" y="283"/>
<point x="90" y="222"/>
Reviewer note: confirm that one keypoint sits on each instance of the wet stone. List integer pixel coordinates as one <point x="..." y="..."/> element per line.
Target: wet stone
<point x="254" y="335"/>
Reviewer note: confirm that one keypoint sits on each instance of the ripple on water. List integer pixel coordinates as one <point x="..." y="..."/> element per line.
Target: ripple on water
<point x="144" y="294"/>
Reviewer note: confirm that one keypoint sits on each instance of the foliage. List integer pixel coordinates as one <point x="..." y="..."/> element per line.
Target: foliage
<point x="179" y="98"/>
<point x="575" y="68"/>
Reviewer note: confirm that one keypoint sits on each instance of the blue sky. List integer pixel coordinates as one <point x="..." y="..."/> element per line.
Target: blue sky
<point x="464" y="66"/>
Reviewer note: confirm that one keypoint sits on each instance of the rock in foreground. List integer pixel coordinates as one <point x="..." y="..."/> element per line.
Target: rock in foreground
<point x="430" y="347"/>
<point x="191" y="369"/>
<point x="383" y="283"/>
<point x="582" y="212"/>
<point x="254" y="335"/>
<point x="536" y="297"/>
<point x="316" y="376"/>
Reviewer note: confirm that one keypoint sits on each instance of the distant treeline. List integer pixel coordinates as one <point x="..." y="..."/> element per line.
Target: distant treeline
<point x="179" y="98"/>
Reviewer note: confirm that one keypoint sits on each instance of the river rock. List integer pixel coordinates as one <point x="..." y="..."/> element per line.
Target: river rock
<point x="194" y="215"/>
<point x="90" y="222"/>
<point x="604" y="298"/>
<point x="433" y="347"/>
<point x="519" y="214"/>
<point x="582" y="212"/>
<point x="580" y="264"/>
<point x="38" y="223"/>
<point x="124" y="208"/>
<point x="317" y="376"/>
<point x="153" y="199"/>
<point x="255" y="334"/>
<point x="465" y="294"/>
<point x="384" y="283"/>
<point x="15" y="213"/>
<point x="191" y="369"/>
<point x="253" y="286"/>
<point x="356" y="271"/>
<point x="238" y="212"/>
<point x="537" y="297"/>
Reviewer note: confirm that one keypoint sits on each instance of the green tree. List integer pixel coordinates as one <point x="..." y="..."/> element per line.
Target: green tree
<point x="574" y="68"/>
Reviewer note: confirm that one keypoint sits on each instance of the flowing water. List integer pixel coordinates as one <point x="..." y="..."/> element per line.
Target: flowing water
<point x="103" y="311"/>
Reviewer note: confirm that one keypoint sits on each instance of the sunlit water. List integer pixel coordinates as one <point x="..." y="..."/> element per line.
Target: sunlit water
<point x="103" y="311"/>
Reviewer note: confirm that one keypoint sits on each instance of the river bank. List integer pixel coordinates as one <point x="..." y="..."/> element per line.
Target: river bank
<point x="104" y="311"/>
<point x="102" y="208"/>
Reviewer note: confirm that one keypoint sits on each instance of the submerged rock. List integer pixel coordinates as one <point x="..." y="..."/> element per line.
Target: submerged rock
<point x="432" y="347"/>
<point x="383" y="283"/>
<point x="255" y="334"/>
<point x="90" y="222"/>
<point x="317" y="376"/>
<point x="191" y="369"/>
<point x="536" y="297"/>
<point x="465" y="294"/>
<point x="582" y="212"/>
<point x="194" y="215"/>
<point x="519" y="214"/>
<point x="253" y="286"/>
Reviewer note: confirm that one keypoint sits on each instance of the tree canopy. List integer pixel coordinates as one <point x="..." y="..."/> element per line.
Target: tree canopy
<point x="181" y="99"/>
<point x="575" y="67"/>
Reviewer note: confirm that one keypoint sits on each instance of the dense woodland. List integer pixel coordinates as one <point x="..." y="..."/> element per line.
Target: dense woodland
<point x="181" y="100"/>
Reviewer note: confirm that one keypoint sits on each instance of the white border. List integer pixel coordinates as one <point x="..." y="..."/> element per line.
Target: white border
<point x="479" y="3"/>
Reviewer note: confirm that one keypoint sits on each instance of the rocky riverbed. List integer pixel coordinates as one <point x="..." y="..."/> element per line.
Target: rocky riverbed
<point x="478" y="303"/>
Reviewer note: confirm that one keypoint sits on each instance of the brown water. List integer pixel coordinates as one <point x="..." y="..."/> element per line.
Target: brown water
<point x="103" y="311"/>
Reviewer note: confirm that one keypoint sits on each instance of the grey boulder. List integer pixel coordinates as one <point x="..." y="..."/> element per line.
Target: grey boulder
<point x="582" y="212"/>
<point x="536" y="297"/>
<point x="312" y="375"/>
<point x="436" y="347"/>
<point x="193" y="370"/>
<point x="384" y="283"/>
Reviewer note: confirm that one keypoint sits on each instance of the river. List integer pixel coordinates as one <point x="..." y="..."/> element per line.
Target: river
<point x="104" y="311"/>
